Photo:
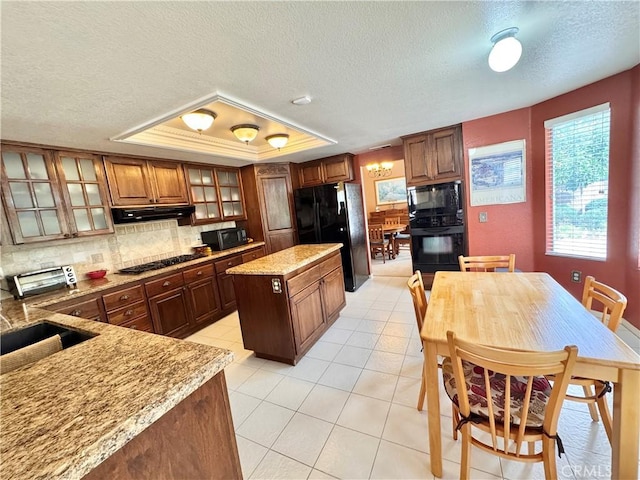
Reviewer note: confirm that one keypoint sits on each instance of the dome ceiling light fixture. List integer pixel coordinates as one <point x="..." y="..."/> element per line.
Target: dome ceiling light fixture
<point x="245" y="132"/>
<point x="199" y="120"/>
<point x="506" y="50"/>
<point x="277" y="140"/>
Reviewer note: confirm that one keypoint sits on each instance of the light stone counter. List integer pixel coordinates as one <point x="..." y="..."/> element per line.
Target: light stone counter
<point x="86" y="287"/>
<point x="285" y="261"/>
<point x="65" y="414"/>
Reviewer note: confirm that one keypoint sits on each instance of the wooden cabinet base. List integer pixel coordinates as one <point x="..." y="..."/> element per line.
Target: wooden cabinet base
<point x="195" y="439"/>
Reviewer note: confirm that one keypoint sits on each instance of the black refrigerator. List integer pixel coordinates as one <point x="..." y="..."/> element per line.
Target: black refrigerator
<point x="334" y="214"/>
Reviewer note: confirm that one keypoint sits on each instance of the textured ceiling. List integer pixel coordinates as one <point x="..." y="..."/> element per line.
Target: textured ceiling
<point x="76" y="74"/>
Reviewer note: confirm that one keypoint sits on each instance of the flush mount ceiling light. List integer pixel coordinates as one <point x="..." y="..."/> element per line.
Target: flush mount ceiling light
<point x="506" y="50"/>
<point x="277" y="140"/>
<point x="245" y="132"/>
<point x="199" y="120"/>
<point x="379" y="169"/>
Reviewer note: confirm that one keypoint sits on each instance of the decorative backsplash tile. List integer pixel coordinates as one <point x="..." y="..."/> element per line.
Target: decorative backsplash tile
<point x="129" y="245"/>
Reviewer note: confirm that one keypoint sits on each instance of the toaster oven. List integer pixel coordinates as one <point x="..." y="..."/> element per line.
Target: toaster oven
<point x="41" y="281"/>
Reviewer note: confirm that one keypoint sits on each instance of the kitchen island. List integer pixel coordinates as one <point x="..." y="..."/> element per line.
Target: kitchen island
<point x="288" y="299"/>
<point x="123" y="404"/>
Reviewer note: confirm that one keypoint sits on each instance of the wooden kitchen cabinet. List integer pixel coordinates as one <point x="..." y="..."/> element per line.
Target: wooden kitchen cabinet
<point x="216" y="193"/>
<point x="168" y="305"/>
<point x="230" y="193"/>
<point x="127" y="307"/>
<point x="137" y="181"/>
<point x="89" y="307"/>
<point x="225" y="281"/>
<point x="281" y="316"/>
<point x="51" y="195"/>
<point x="202" y="292"/>
<point x="338" y="168"/>
<point x="270" y="214"/>
<point x="434" y="156"/>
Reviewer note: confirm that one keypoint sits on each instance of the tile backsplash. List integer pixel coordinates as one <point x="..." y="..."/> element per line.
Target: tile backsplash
<point x="130" y="245"/>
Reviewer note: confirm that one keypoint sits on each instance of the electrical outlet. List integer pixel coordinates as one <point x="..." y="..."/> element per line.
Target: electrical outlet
<point x="276" y="286"/>
<point x="576" y="276"/>
<point x="483" y="217"/>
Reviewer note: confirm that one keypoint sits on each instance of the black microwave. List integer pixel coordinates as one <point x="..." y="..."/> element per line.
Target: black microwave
<point x="225" y="238"/>
<point x="436" y="205"/>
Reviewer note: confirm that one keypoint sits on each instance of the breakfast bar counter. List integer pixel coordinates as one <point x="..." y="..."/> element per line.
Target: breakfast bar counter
<point x="122" y="395"/>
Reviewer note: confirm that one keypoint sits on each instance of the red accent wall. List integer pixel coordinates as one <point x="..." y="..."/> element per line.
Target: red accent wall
<point x="520" y="227"/>
<point x="620" y="270"/>
<point x="509" y="228"/>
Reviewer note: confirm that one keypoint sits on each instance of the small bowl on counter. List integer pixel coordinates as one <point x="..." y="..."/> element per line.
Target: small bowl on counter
<point x="95" y="274"/>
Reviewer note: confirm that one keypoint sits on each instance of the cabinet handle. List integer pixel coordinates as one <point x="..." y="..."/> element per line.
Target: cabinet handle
<point x="128" y="313"/>
<point x="66" y="235"/>
<point x="199" y="272"/>
<point x="124" y="297"/>
<point x="151" y="200"/>
<point x="133" y="327"/>
<point x="230" y="264"/>
<point x="74" y="234"/>
<point x="76" y="313"/>
<point x="166" y="284"/>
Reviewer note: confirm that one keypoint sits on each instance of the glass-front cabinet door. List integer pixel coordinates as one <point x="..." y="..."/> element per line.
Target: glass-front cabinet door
<point x="34" y="209"/>
<point x="83" y="189"/>
<point x="230" y="191"/>
<point x="203" y="194"/>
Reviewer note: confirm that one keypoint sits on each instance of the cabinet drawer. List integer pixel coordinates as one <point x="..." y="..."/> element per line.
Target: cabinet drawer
<point x="141" y="323"/>
<point x="124" y="297"/>
<point x="222" y="265"/>
<point x="88" y="309"/>
<point x="198" y="273"/>
<point x="128" y="313"/>
<point x="252" y="255"/>
<point x="164" y="284"/>
<point x="299" y="282"/>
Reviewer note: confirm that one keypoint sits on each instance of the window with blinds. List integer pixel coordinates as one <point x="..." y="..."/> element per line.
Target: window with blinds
<point x="577" y="183"/>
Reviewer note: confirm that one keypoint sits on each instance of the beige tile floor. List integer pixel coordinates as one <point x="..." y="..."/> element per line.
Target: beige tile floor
<point x="347" y="409"/>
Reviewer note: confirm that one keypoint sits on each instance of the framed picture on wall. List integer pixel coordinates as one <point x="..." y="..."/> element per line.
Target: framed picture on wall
<point x="391" y="190"/>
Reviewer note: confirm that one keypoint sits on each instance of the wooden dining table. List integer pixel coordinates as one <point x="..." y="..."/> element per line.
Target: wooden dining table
<point x="531" y="311"/>
<point x="391" y="230"/>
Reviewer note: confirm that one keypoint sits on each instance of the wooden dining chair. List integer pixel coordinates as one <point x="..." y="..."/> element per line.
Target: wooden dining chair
<point x="610" y="305"/>
<point x="487" y="263"/>
<point x="377" y="242"/>
<point x="416" y="287"/>
<point x="505" y="394"/>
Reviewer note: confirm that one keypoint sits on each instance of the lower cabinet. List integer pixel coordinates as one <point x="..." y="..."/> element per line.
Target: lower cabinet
<point x="202" y="292"/>
<point x="84" y="307"/>
<point x="168" y="305"/>
<point x="281" y="316"/>
<point x="225" y="282"/>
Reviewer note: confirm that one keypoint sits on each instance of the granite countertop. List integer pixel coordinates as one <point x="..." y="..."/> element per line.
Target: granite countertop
<point x="115" y="279"/>
<point x="285" y="261"/>
<point x="65" y="414"/>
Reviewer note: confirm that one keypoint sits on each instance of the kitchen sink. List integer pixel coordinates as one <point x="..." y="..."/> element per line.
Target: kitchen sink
<point x="12" y="341"/>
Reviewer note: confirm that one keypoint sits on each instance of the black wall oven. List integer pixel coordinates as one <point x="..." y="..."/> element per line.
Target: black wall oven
<point x="437" y="226"/>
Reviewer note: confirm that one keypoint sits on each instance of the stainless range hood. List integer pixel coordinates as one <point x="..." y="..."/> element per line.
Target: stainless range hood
<point x="147" y="214"/>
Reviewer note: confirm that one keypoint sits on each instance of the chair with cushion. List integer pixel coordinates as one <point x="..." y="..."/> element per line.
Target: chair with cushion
<point x="488" y="263"/>
<point x="612" y="303"/>
<point x="378" y="243"/>
<point x="505" y="394"/>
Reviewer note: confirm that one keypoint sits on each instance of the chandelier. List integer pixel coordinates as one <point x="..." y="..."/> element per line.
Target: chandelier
<point x="379" y="169"/>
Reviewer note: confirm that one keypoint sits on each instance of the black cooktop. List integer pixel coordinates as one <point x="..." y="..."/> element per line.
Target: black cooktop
<point x="166" y="262"/>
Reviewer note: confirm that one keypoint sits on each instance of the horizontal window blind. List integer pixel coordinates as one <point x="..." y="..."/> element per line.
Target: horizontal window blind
<point x="577" y="183"/>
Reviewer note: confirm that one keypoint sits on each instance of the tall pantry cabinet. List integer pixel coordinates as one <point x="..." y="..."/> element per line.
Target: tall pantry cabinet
<point x="269" y="201"/>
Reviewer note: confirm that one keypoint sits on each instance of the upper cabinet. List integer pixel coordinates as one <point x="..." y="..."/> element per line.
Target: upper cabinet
<point x="216" y="193"/>
<point x="137" y="181"/>
<point x="434" y="156"/>
<point x="338" y="168"/>
<point x="270" y="205"/>
<point x="53" y="195"/>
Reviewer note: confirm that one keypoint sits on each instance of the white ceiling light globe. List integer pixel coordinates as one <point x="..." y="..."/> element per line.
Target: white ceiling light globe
<point x="505" y="54"/>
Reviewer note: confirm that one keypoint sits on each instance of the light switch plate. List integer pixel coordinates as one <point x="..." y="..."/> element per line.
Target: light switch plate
<point x="483" y="217"/>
